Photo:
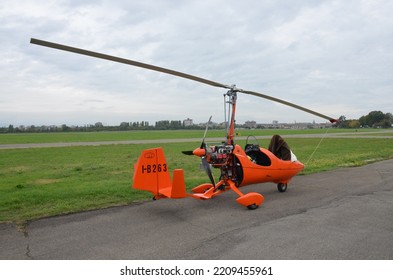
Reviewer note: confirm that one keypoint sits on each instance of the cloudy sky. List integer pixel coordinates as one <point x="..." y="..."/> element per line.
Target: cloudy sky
<point x="334" y="57"/>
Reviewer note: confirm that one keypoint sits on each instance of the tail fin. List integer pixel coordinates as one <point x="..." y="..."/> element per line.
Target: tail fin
<point x="151" y="174"/>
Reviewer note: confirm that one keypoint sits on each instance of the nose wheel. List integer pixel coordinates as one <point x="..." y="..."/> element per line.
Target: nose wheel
<point x="282" y="187"/>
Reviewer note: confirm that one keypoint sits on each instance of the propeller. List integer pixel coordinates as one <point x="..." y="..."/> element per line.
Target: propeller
<point x="202" y="150"/>
<point x="203" y="145"/>
<point x="208" y="170"/>
<point x="174" y="73"/>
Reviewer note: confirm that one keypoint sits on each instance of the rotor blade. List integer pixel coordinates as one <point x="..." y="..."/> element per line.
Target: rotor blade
<point x="208" y="170"/>
<point x="170" y="72"/>
<point x="188" y="153"/>
<point x="332" y="120"/>
<point x="126" y="61"/>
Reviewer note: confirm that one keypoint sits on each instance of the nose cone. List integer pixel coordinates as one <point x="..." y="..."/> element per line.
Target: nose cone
<point x="199" y="152"/>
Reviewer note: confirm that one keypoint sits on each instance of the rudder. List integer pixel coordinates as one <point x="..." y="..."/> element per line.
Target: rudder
<point x="151" y="174"/>
<point x="151" y="171"/>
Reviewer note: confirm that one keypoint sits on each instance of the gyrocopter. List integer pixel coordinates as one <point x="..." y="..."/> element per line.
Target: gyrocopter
<point x="238" y="167"/>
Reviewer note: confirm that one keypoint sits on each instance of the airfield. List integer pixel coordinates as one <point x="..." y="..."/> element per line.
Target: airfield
<point x="383" y="134"/>
<point x="340" y="214"/>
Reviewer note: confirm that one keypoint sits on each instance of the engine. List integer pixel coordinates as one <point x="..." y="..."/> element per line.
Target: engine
<point x="219" y="154"/>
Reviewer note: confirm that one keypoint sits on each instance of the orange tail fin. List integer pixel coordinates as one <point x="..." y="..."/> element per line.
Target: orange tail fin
<point x="151" y="174"/>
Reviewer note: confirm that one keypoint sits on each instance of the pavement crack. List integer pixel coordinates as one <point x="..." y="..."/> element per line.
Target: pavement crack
<point x="22" y="227"/>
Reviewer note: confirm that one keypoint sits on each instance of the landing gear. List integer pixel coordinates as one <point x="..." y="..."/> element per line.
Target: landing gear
<point x="282" y="187"/>
<point x="251" y="200"/>
<point x="252" y="206"/>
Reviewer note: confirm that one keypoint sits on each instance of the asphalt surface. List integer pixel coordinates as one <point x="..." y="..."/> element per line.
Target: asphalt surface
<point x="342" y="214"/>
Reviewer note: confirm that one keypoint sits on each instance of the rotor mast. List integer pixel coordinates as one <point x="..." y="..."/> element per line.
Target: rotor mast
<point x="232" y="96"/>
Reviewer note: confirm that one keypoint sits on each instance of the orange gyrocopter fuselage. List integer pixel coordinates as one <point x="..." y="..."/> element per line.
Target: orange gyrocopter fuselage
<point x="238" y="167"/>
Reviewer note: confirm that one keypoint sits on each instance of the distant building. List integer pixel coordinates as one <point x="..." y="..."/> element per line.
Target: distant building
<point x="188" y="122"/>
<point x="250" y="124"/>
<point x="296" y="125"/>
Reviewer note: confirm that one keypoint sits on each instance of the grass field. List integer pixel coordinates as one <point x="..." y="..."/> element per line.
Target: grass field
<point x="43" y="182"/>
<point x="23" y="138"/>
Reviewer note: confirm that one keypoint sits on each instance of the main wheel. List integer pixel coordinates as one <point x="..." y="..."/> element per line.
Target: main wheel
<point x="252" y="206"/>
<point x="282" y="187"/>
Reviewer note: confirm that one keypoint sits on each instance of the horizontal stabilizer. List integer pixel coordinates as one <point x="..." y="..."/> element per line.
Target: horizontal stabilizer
<point x="178" y="188"/>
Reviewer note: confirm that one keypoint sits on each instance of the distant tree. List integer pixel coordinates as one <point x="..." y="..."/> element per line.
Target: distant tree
<point x="376" y="119"/>
<point x="64" y="128"/>
<point x="124" y="125"/>
<point x="342" y="122"/>
<point x="385" y="123"/>
<point x="165" y="124"/>
<point x="389" y="116"/>
<point x="353" y="124"/>
<point x="98" y="125"/>
<point x="176" y="124"/>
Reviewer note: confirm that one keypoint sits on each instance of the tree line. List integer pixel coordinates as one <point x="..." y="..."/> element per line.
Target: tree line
<point x="99" y="126"/>
<point x="374" y="119"/>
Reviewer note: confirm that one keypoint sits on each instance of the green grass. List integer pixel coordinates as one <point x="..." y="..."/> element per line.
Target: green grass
<point x="43" y="182"/>
<point x="24" y="138"/>
<point x="50" y="181"/>
<point x="334" y="153"/>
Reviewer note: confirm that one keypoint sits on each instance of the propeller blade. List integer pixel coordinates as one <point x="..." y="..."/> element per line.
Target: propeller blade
<point x="332" y="120"/>
<point x="125" y="61"/>
<point x="172" y="72"/>
<point x="204" y="135"/>
<point x="208" y="170"/>
<point x="188" y="153"/>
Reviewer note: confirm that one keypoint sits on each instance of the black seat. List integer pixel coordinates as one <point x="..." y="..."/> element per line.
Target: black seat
<point x="256" y="155"/>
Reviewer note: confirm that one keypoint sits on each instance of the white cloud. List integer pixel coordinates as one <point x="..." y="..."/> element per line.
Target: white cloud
<point x="330" y="56"/>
